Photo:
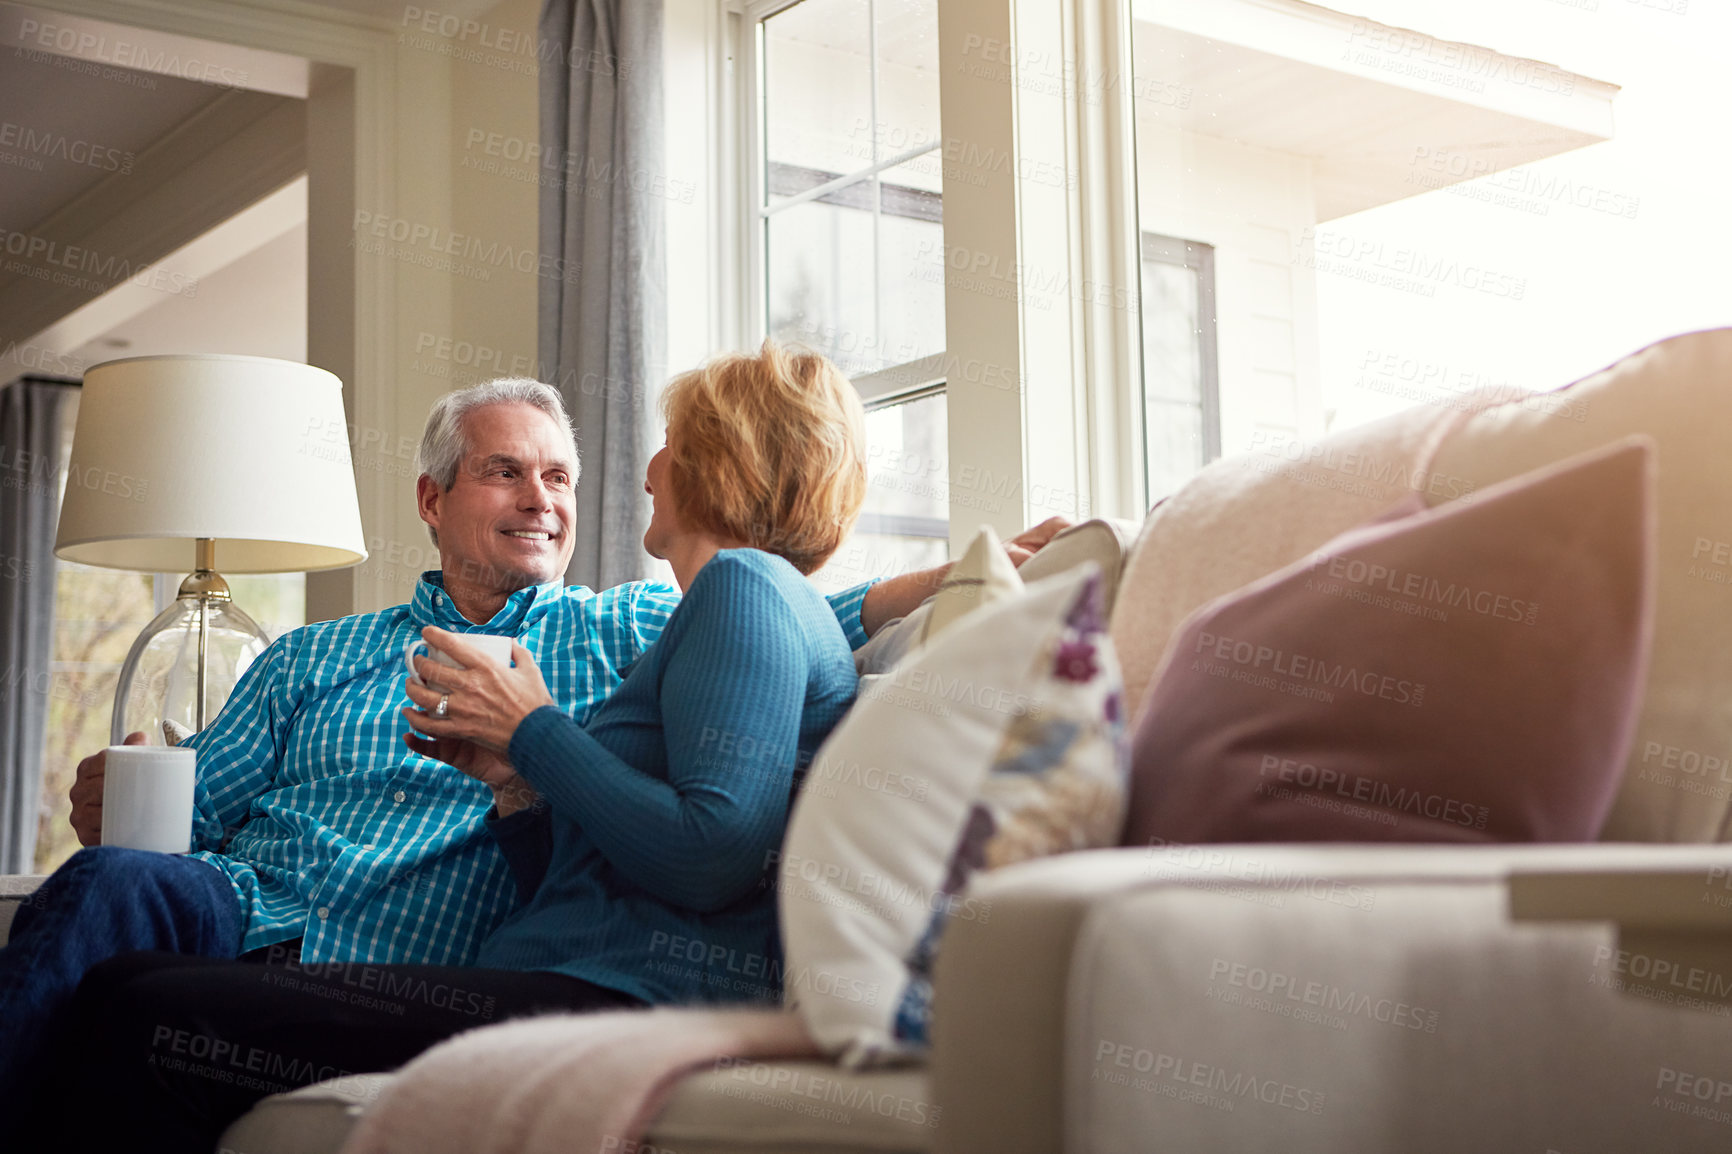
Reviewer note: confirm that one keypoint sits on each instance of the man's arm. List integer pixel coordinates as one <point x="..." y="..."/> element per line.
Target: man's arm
<point x="899" y="596"/>
<point x="642" y="608"/>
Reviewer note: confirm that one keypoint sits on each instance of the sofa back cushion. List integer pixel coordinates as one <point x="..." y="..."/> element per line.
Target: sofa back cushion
<point x="1245" y="517"/>
<point x="1677" y="782"/>
<point x="1461" y="674"/>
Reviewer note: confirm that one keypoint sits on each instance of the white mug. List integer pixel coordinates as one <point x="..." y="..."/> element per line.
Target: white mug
<point x="496" y="646"/>
<point x="147" y="797"/>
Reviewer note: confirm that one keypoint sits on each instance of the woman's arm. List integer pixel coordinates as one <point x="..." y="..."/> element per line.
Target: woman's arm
<point x="731" y="697"/>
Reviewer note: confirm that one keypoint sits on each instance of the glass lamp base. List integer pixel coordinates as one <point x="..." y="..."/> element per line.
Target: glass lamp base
<point x="158" y="690"/>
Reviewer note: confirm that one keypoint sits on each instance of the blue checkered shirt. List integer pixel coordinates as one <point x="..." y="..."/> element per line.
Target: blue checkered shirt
<point x="331" y="830"/>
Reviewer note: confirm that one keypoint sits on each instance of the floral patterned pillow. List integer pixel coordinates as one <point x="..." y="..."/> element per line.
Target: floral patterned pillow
<point x="1001" y="741"/>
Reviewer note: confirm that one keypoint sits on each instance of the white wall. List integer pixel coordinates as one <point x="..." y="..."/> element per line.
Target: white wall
<point x="1256" y="208"/>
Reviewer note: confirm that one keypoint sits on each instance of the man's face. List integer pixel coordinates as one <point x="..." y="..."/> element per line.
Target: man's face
<point x="505" y="523"/>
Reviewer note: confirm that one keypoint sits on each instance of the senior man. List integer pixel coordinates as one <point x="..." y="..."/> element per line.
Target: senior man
<point x="317" y="833"/>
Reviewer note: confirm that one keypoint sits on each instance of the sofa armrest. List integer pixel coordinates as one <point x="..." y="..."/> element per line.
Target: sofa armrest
<point x="1207" y="993"/>
<point x="14" y="889"/>
<point x="998" y="1011"/>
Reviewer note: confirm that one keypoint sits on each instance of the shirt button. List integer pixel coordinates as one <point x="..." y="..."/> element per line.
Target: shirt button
<point x="323" y="912"/>
<point x="400" y="796"/>
<point x="436" y="599"/>
<point x="366" y="845"/>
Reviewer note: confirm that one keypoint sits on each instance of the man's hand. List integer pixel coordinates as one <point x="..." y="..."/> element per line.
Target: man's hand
<point x="899" y="596"/>
<point x="1031" y="541"/>
<point x="86" y="794"/>
<point x="510" y="792"/>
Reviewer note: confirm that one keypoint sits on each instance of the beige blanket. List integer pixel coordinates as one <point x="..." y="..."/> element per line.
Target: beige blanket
<point x="563" y="1084"/>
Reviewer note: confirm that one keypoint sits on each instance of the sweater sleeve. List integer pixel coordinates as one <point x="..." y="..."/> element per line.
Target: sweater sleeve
<point x="731" y="696"/>
<point x="525" y="839"/>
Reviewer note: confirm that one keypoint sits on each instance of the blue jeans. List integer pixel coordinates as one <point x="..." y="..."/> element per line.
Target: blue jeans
<point x="104" y="901"/>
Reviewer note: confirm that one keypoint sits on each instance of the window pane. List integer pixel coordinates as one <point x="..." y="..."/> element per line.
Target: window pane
<point x="1403" y="211"/>
<point x="97" y="615"/>
<point x="821" y="291"/>
<point x="904" y="524"/>
<point x="818" y="87"/>
<point x="911" y="261"/>
<point x="828" y="292"/>
<point x="277" y="601"/>
<point x="1172" y="359"/>
<point x="907" y="76"/>
<point x="1175" y="445"/>
<point x="857" y="274"/>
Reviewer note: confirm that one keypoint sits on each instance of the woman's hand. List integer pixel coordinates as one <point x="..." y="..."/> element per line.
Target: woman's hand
<point x="484" y="702"/>
<point x="510" y="792"/>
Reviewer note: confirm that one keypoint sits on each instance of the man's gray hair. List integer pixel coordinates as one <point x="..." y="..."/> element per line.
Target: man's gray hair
<point x="444" y="443"/>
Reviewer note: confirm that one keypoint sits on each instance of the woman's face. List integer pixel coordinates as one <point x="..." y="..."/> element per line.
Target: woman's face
<point x="665" y="524"/>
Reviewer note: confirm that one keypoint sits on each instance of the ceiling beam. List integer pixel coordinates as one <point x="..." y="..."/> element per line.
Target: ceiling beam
<point x="233" y="152"/>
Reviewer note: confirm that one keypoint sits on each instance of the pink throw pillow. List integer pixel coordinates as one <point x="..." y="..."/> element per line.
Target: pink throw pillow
<point x="1469" y="673"/>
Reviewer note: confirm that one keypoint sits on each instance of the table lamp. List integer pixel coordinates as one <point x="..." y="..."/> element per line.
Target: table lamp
<point x="201" y="460"/>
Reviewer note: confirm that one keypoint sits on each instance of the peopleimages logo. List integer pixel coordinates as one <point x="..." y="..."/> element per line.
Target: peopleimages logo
<point x="57" y="146"/>
<point x="1435" y="594"/>
<point x="1697" y="1095"/>
<point x="1117" y="1063"/>
<point x="1323" y="996"/>
<point x="1314" y="671"/>
<point x="1358" y="787"/>
<point x="821" y="881"/>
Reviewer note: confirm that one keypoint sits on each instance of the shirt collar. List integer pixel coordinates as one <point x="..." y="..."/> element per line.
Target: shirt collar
<point x="432" y="606"/>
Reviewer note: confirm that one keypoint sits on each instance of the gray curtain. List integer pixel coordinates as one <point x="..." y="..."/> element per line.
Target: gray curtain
<point x="29" y="505"/>
<point x="603" y="297"/>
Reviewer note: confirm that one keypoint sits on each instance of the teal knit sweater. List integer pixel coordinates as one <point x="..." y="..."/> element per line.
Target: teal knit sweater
<point x="649" y="869"/>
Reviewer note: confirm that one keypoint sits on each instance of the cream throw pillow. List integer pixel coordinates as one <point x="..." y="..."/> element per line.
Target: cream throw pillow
<point x="1002" y="740"/>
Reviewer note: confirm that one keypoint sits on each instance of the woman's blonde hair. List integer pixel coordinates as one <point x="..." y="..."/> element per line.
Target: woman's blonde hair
<point x="768" y="450"/>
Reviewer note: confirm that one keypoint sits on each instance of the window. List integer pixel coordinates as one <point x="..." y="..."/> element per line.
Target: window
<point x="1181" y="395"/>
<point x="849" y="245"/>
<point x="1397" y="204"/>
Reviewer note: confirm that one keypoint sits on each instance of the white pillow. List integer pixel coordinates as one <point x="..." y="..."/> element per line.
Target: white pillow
<point x="1104" y="540"/>
<point x="1002" y="740"/>
<point x="984" y="576"/>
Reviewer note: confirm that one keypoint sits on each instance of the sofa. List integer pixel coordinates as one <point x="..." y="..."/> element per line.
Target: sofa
<point x="1339" y="997"/>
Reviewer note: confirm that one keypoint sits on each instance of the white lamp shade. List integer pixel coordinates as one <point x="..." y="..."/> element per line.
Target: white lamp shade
<point x="250" y="451"/>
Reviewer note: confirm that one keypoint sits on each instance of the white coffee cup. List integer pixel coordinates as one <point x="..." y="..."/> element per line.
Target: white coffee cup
<point x="147" y="797"/>
<point x="497" y="648"/>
